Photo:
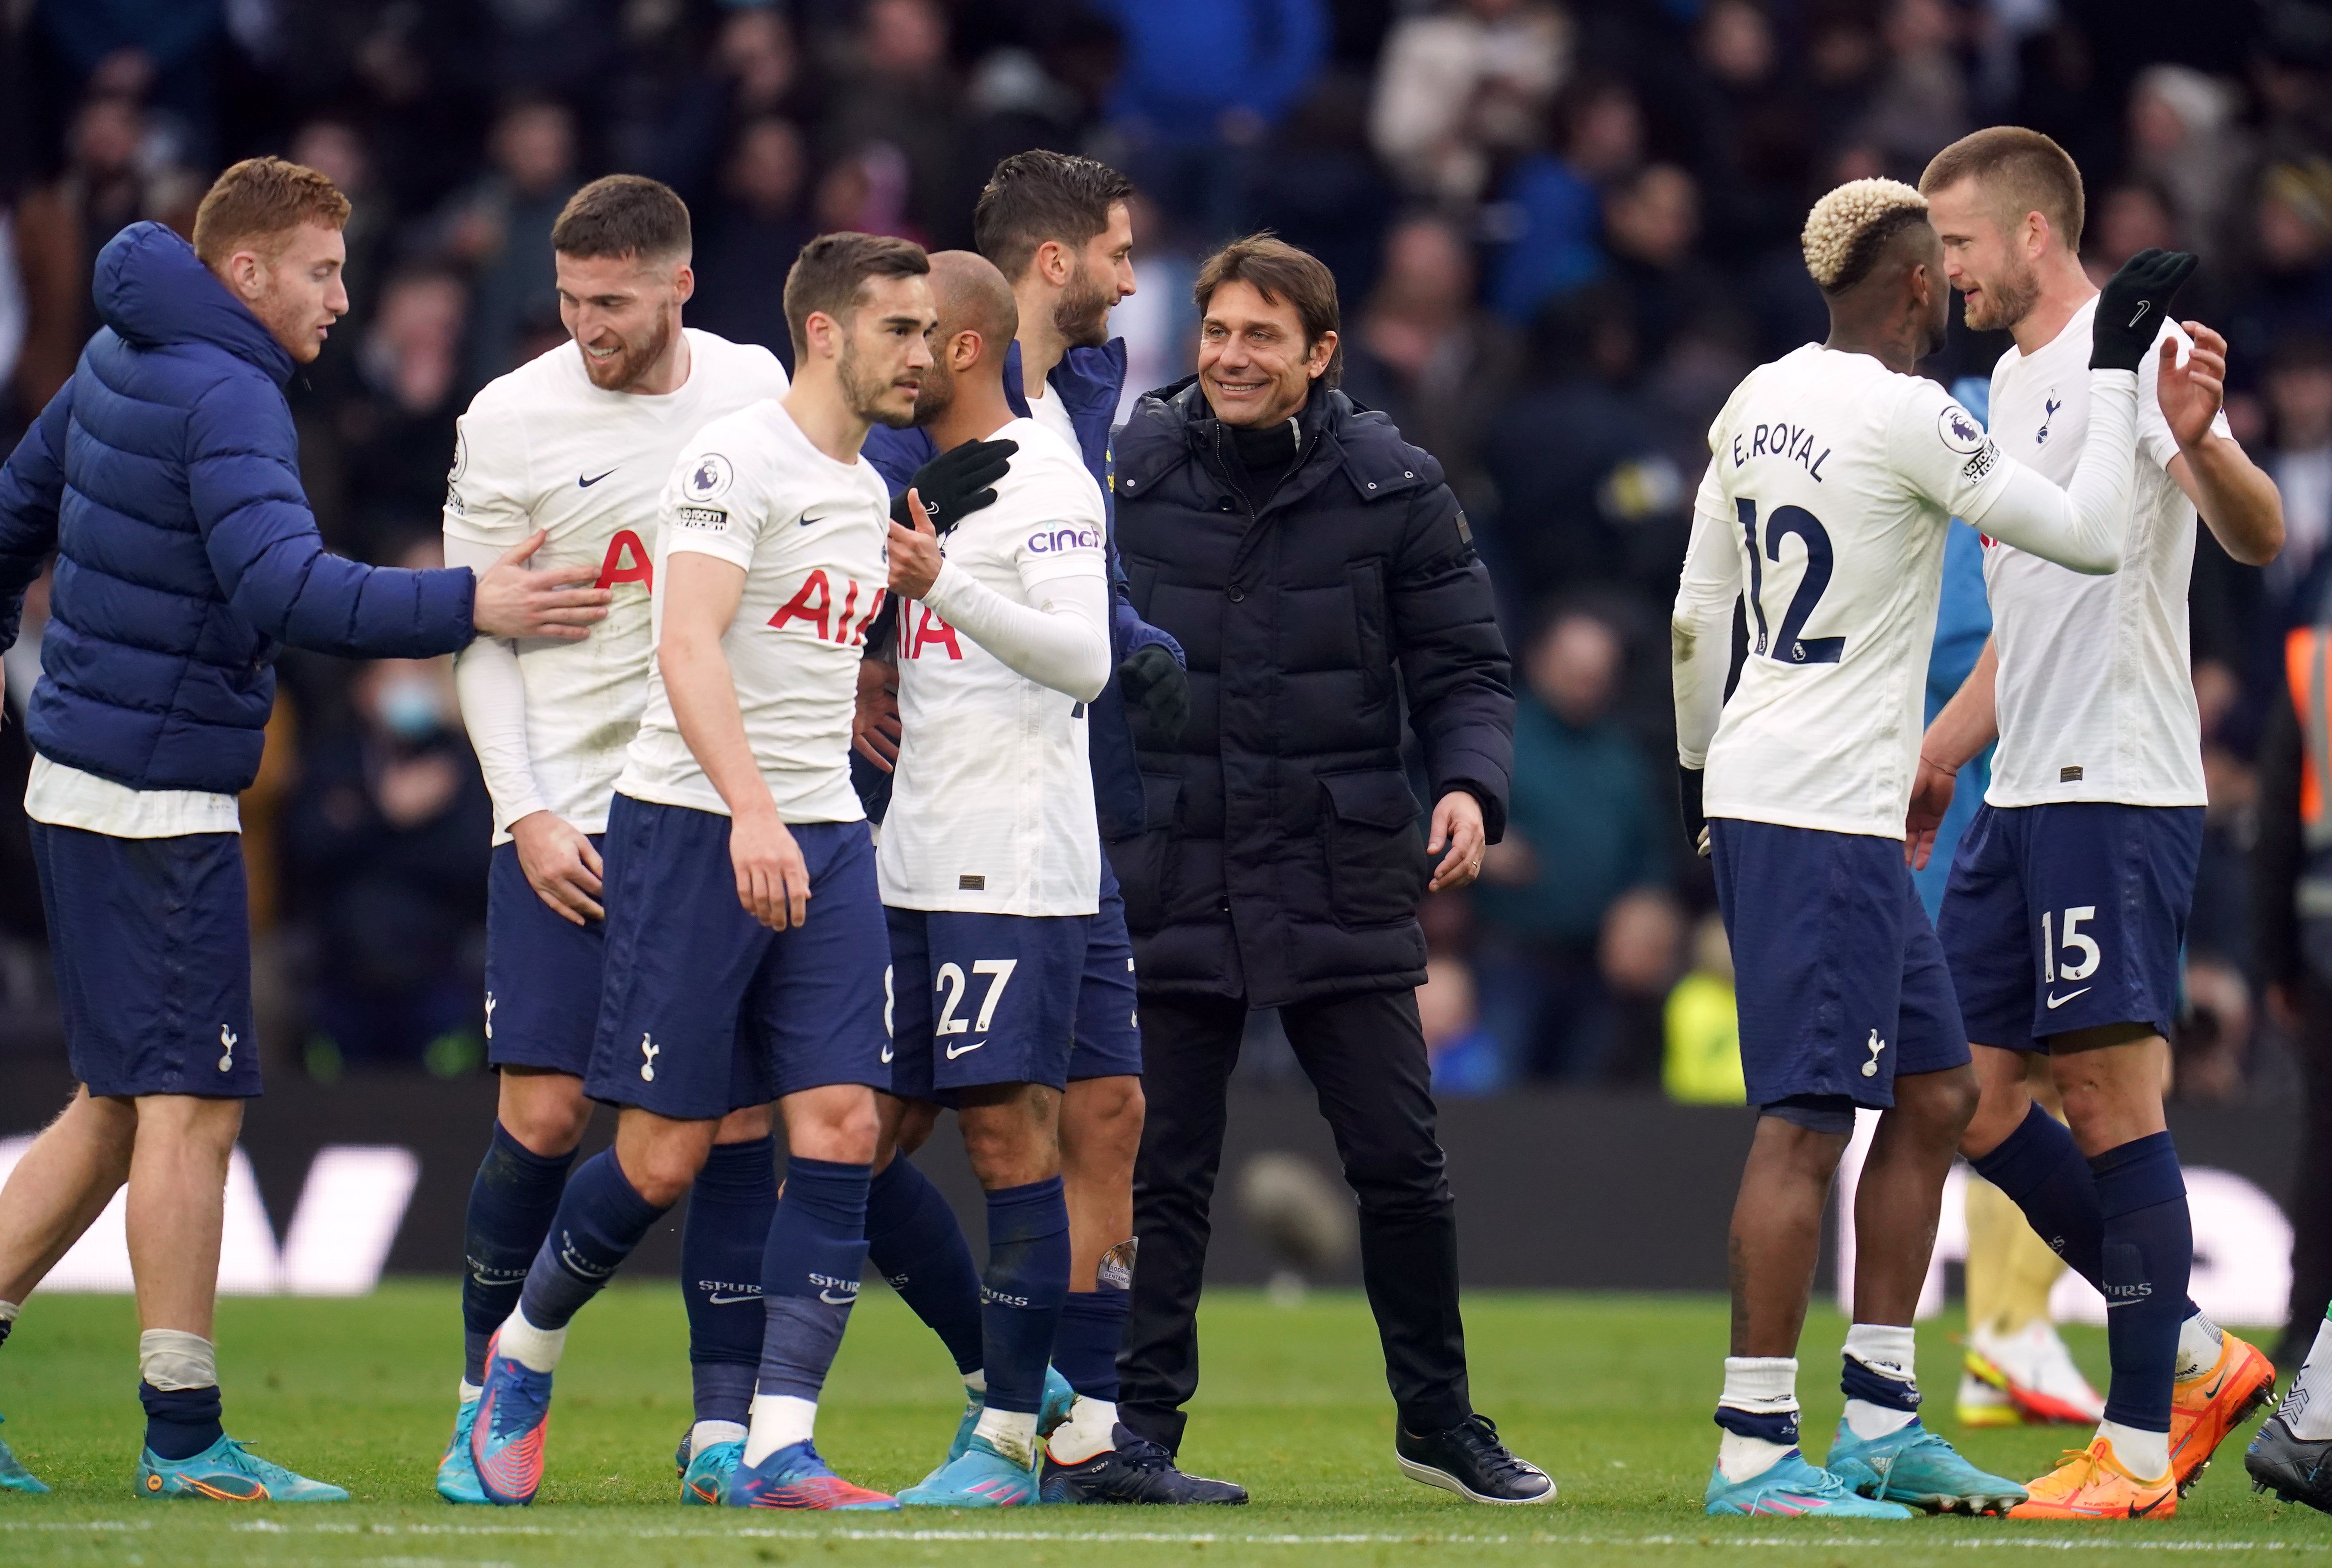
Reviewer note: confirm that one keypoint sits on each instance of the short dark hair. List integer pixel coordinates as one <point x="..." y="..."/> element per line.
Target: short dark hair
<point x="261" y="198"/>
<point x="832" y="270"/>
<point x="2019" y="169"/>
<point x="1037" y="196"/>
<point x="1279" y="272"/>
<point x="623" y="215"/>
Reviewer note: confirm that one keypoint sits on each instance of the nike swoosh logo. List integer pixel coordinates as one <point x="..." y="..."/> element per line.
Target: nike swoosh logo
<point x="587" y="484"/>
<point x="831" y="1299"/>
<point x="955" y="1051"/>
<point x="2056" y="1001"/>
<point x="2139" y="315"/>
<point x="730" y="1300"/>
<point x="887" y="1055"/>
<point x="808" y="520"/>
<point x="2213" y="1392"/>
<point x="2137" y="1513"/>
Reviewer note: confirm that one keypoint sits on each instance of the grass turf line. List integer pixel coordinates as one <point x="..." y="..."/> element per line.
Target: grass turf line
<point x="1612" y="1394"/>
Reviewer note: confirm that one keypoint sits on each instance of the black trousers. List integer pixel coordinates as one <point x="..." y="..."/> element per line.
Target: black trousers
<point x="1365" y="1056"/>
<point x="2311" y="1204"/>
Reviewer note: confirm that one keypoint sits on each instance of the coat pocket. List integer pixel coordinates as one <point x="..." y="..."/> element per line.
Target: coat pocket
<point x="1376" y="860"/>
<point x="1145" y="861"/>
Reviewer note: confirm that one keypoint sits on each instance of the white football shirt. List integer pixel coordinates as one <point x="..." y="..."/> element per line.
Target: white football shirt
<point x="543" y="448"/>
<point x="1831" y="484"/>
<point x="992" y="803"/>
<point x="2096" y="688"/>
<point x="1051" y="412"/>
<point x="810" y="533"/>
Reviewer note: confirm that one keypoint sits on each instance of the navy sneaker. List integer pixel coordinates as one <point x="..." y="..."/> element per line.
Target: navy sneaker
<point x="1136" y="1470"/>
<point x="1469" y="1461"/>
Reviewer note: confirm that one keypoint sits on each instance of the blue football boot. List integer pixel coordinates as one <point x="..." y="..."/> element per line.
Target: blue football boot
<point x="1793" y="1486"/>
<point x="512" y="1420"/>
<point x="457" y="1473"/>
<point x="980" y="1478"/>
<point x="14" y="1477"/>
<point x="1060" y="1398"/>
<point x="706" y="1480"/>
<point x="225" y="1473"/>
<point x="1913" y="1465"/>
<point x="795" y="1477"/>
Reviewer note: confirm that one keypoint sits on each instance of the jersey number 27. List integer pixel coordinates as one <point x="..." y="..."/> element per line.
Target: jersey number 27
<point x="1786" y="644"/>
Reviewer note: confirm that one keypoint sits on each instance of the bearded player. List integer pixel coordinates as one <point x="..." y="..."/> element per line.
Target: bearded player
<point x="580" y="442"/>
<point x="2066" y="909"/>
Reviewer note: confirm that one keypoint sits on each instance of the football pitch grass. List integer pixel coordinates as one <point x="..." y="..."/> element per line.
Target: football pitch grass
<point x="1611" y="1393"/>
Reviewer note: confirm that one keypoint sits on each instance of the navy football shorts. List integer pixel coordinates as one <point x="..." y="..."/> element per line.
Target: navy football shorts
<point x="543" y="974"/>
<point x="1839" y="981"/>
<point x="2068" y="916"/>
<point x="704" y="1009"/>
<point x="1109" y="1026"/>
<point x="151" y="940"/>
<point x="982" y="999"/>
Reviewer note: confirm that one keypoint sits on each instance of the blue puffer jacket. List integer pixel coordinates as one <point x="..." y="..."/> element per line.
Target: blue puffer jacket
<point x="166" y="476"/>
<point x="1088" y="381"/>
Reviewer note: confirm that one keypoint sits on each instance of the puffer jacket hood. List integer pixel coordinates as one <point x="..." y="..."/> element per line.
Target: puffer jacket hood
<point x="152" y="288"/>
<point x="166" y="477"/>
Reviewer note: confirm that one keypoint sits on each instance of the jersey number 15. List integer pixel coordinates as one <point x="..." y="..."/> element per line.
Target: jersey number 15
<point x="1786" y="645"/>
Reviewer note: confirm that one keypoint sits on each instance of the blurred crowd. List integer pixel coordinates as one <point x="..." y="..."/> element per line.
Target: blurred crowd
<point x="1563" y="232"/>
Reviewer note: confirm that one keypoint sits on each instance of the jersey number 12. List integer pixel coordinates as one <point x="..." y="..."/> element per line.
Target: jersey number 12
<point x="1786" y="644"/>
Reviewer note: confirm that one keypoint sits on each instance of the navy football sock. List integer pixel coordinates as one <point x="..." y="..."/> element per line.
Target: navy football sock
<point x="722" y="1244"/>
<point x="914" y="1241"/>
<point x="1085" y="1347"/>
<point x="2041" y="1168"/>
<point x="2149" y="1252"/>
<point x="180" y="1422"/>
<point x="810" y="1273"/>
<point x="512" y="1202"/>
<point x="1027" y="1281"/>
<point x="600" y="1219"/>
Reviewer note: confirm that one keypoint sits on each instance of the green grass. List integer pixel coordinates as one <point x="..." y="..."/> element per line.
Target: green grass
<point x="1612" y="1394"/>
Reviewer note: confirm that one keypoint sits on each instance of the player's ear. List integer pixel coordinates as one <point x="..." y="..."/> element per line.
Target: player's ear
<point x="684" y="284"/>
<point x="963" y="349"/>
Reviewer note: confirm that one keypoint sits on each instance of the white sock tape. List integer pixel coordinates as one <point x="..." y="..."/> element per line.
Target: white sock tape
<point x="171" y="1358"/>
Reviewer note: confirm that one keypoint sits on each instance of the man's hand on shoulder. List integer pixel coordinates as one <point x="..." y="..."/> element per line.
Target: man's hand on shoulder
<point x="559" y="603"/>
<point x="1458" y="823"/>
<point x="560" y="864"/>
<point x="958" y="481"/>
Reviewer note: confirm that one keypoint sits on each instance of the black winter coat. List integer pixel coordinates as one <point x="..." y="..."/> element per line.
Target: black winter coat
<point x="1282" y="856"/>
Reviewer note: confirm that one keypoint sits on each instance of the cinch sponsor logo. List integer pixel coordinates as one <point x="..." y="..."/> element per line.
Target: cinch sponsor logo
<point x="1052" y="542"/>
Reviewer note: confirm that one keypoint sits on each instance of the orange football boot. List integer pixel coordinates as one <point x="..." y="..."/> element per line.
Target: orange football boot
<point x="2207" y="1408"/>
<point x="2091" y="1483"/>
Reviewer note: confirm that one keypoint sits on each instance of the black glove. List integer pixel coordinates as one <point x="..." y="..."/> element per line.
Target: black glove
<point x="1156" y="684"/>
<point x="2130" y="313"/>
<point x="955" y="484"/>
<point x="1695" y="820"/>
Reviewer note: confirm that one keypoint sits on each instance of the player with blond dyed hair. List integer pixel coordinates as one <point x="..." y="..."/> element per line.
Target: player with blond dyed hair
<point x="1835" y="474"/>
<point x="2065" y="914"/>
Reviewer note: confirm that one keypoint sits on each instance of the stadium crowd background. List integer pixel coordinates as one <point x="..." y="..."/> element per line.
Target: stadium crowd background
<point x="1561" y="232"/>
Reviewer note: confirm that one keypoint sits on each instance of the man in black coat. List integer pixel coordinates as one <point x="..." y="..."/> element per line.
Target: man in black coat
<point x="1323" y="581"/>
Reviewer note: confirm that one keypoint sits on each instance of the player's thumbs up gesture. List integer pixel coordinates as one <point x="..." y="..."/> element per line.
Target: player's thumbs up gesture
<point x="513" y="601"/>
<point x="915" y="558"/>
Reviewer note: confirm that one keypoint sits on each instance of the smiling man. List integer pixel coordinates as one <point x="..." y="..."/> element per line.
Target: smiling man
<point x="745" y="945"/>
<point x="1318" y="572"/>
<point x="580" y="443"/>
